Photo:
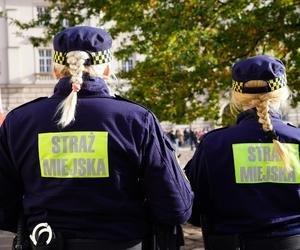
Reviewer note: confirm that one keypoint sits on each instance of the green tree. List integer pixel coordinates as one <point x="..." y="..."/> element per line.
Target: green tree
<point x="189" y="46"/>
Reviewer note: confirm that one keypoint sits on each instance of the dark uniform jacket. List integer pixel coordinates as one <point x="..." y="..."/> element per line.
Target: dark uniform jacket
<point x="105" y="176"/>
<point x="246" y="191"/>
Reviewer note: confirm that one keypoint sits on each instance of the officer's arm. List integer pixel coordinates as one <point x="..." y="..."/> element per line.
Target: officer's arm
<point x="10" y="195"/>
<point x="168" y="193"/>
<point x="196" y="172"/>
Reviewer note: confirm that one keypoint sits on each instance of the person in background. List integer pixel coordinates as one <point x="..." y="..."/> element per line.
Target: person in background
<point x="172" y="137"/>
<point x="246" y="177"/>
<point x="2" y="116"/>
<point x="88" y="170"/>
<point x="186" y="136"/>
<point x="179" y="137"/>
<point x="193" y="139"/>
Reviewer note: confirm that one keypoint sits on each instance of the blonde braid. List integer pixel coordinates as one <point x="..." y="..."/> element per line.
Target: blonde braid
<point x="262" y="108"/>
<point x="264" y="119"/>
<point x="76" y="60"/>
<point x="76" y="67"/>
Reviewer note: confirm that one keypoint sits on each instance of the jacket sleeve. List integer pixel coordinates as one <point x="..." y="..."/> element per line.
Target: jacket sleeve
<point x="168" y="193"/>
<point x="196" y="171"/>
<point x="10" y="185"/>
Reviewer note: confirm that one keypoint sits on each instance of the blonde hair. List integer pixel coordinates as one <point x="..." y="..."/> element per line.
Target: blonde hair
<point x="263" y="102"/>
<point x="75" y="69"/>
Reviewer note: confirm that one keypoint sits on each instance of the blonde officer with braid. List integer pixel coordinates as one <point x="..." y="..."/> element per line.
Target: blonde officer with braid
<point x="88" y="170"/>
<point x="246" y="177"/>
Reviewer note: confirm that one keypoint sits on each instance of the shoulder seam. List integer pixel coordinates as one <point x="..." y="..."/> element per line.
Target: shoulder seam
<point x="214" y="130"/>
<point x="291" y="125"/>
<point x="33" y="101"/>
<point x="126" y="100"/>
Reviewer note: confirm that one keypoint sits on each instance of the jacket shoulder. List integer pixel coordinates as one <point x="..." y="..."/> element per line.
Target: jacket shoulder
<point x="209" y="133"/>
<point x="291" y="125"/>
<point x="214" y="131"/>
<point x="30" y="102"/>
<point x="120" y="98"/>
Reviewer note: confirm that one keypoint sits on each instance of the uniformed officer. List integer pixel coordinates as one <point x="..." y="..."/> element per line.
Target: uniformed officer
<point x="89" y="170"/>
<point x="246" y="177"/>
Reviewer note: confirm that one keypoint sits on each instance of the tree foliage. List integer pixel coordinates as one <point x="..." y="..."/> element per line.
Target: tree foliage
<point x="188" y="46"/>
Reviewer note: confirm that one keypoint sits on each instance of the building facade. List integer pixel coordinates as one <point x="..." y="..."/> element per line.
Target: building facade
<point x="25" y="71"/>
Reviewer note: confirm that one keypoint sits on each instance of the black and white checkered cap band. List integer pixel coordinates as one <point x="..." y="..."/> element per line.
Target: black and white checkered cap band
<point x="99" y="57"/>
<point x="273" y="84"/>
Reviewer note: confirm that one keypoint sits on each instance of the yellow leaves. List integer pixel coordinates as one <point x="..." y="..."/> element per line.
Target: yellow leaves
<point x="153" y="3"/>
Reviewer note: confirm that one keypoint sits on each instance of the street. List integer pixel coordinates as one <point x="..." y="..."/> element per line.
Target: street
<point x="192" y="238"/>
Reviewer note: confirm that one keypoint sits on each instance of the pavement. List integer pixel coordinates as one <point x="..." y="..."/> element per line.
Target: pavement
<point x="5" y="240"/>
<point x="192" y="235"/>
<point x="184" y="155"/>
<point x="192" y="238"/>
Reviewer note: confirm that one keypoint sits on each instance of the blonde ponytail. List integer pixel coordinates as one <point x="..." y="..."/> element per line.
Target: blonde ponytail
<point x="264" y="119"/>
<point x="67" y="107"/>
<point x="262" y="103"/>
<point x="282" y="152"/>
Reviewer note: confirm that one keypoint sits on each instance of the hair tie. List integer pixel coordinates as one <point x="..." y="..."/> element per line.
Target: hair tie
<point x="76" y="87"/>
<point x="88" y="61"/>
<point x="271" y="135"/>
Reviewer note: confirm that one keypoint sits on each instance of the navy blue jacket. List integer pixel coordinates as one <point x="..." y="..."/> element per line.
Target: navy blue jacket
<point x="259" y="209"/>
<point x="145" y="183"/>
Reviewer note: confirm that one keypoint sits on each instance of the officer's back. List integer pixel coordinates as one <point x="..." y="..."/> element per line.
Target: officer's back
<point x="96" y="168"/>
<point x="246" y="176"/>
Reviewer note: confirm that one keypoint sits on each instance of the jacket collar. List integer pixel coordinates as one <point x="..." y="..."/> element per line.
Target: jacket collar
<point x="92" y="86"/>
<point x="251" y="114"/>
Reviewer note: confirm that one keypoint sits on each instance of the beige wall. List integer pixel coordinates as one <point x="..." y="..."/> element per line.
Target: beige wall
<point x="14" y="95"/>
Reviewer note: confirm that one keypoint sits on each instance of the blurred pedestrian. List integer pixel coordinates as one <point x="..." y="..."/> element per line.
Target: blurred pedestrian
<point x="2" y="116"/>
<point x="172" y="137"/>
<point x="186" y="136"/>
<point x="179" y="137"/>
<point x="193" y="139"/>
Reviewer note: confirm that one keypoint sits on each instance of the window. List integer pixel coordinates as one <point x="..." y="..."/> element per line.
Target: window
<point x="127" y="65"/>
<point x="45" y="60"/>
<point x="40" y="10"/>
<point x="65" y="23"/>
